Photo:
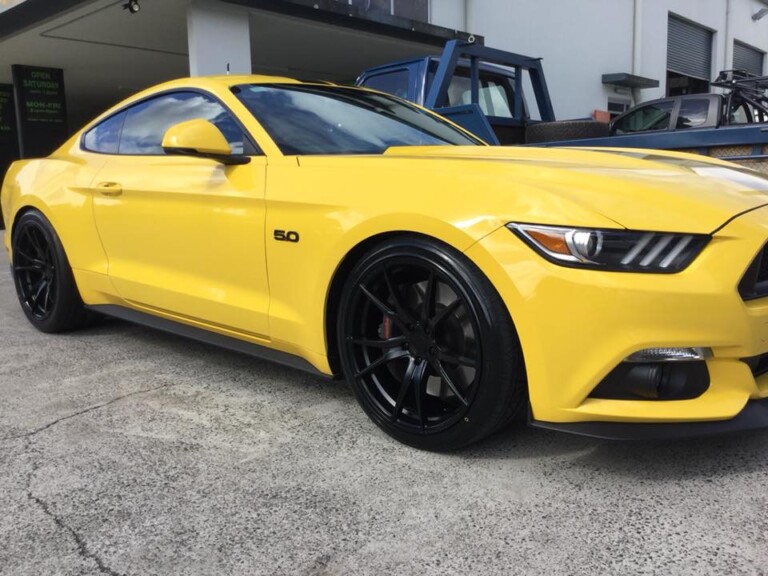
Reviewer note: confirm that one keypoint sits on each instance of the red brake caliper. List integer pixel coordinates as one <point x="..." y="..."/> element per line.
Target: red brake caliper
<point x="387" y="328"/>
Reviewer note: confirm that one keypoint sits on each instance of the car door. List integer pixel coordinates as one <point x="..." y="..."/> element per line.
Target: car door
<point x="184" y="235"/>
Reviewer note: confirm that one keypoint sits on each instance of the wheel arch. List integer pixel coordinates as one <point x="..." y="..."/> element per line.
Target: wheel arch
<point x="348" y="262"/>
<point x="17" y="216"/>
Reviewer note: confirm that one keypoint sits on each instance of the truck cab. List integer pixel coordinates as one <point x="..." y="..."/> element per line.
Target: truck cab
<point x="686" y="112"/>
<point x="412" y="80"/>
<point x="477" y="87"/>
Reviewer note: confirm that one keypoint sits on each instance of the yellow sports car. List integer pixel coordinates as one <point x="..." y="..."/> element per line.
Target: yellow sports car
<point x="618" y="293"/>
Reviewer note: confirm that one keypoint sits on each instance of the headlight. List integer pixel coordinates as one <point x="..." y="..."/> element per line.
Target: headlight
<point x="616" y="250"/>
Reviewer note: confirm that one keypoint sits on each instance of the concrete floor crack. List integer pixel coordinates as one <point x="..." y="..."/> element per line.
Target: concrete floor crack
<point x="84" y="411"/>
<point x="82" y="548"/>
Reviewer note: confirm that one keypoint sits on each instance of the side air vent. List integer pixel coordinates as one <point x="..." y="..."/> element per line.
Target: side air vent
<point x="754" y="284"/>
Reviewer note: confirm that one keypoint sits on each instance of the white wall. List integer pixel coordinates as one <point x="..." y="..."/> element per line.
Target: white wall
<point x="580" y="40"/>
<point x="448" y="13"/>
<point x="219" y="37"/>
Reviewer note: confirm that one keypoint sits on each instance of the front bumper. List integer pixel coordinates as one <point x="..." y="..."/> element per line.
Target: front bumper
<point x="575" y="326"/>
<point x="753" y="416"/>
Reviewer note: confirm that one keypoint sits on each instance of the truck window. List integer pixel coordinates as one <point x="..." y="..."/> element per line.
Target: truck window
<point x="649" y="117"/>
<point x="493" y="97"/>
<point x="693" y="113"/>
<point x="496" y="95"/>
<point x="395" y="82"/>
<point x="746" y="113"/>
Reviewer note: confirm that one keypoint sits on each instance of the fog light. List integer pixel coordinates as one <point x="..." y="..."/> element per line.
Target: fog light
<point x="670" y="355"/>
<point x="654" y="381"/>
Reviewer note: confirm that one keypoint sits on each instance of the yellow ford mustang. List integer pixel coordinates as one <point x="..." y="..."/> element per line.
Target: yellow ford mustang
<point x="616" y="293"/>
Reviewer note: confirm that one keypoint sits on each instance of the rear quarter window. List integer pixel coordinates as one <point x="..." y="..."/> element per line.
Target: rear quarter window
<point x="105" y="136"/>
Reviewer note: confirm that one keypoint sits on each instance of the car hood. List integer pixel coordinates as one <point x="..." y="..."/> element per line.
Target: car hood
<point x="637" y="189"/>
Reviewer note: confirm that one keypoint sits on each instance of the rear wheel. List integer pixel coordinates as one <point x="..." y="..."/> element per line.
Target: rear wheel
<point x="428" y="346"/>
<point x="43" y="277"/>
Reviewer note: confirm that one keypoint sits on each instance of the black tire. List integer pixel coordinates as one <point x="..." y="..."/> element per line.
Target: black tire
<point x="428" y="346"/>
<point x="566" y="130"/>
<point x="43" y="277"/>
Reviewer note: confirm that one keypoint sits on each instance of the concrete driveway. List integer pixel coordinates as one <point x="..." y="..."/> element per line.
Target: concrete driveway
<point x="127" y="451"/>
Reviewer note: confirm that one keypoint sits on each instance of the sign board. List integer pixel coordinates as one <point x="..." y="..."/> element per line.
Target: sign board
<point x="41" y="110"/>
<point x="8" y="138"/>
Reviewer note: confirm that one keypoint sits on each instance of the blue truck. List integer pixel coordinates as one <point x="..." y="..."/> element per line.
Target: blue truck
<point x="482" y="89"/>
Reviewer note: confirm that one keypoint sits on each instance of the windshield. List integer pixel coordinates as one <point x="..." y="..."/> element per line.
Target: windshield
<point x="311" y="119"/>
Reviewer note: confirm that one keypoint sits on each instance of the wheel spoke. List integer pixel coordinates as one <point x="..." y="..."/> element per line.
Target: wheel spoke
<point x="449" y="382"/>
<point x="404" y="387"/>
<point x="419" y="395"/>
<point x="392" y="292"/>
<point x="457" y="360"/>
<point x="401" y="322"/>
<point x="414" y="377"/>
<point x="381" y="361"/>
<point x="47" y="299"/>
<point x="429" y="294"/>
<point x="38" y="289"/>
<point x="403" y="317"/>
<point x="388" y="343"/>
<point x="26" y="256"/>
<point x="377" y="302"/>
<point x="36" y="267"/>
<point x="445" y="312"/>
<point x="34" y="243"/>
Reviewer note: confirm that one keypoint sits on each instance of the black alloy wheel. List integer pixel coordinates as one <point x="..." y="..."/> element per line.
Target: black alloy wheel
<point x="428" y="346"/>
<point x="43" y="278"/>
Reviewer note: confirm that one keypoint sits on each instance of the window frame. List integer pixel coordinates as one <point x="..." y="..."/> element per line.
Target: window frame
<point x="124" y="110"/>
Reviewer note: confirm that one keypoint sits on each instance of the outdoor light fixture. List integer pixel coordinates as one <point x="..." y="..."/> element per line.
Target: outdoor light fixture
<point x="132" y="6"/>
<point x="759" y="14"/>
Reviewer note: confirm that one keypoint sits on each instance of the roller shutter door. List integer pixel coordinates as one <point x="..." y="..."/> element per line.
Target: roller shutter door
<point x="747" y="58"/>
<point x="689" y="49"/>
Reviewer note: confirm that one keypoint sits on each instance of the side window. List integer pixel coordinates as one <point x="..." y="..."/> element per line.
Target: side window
<point x="745" y="113"/>
<point x="146" y="123"/>
<point x="651" y="117"/>
<point x="497" y="92"/>
<point x="494" y="97"/>
<point x="740" y="115"/>
<point x="693" y="113"/>
<point x="105" y="136"/>
<point x="395" y="83"/>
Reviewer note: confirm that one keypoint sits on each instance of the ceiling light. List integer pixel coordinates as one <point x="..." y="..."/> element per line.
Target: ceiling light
<point x="132" y="6"/>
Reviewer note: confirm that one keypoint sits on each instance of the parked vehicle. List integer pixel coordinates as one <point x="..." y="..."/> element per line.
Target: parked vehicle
<point x="732" y="126"/>
<point x="455" y="285"/>
<point x="480" y="88"/>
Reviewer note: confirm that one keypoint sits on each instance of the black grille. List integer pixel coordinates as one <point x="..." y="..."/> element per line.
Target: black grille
<point x="758" y="364"/>
<point x="754" y="284"/>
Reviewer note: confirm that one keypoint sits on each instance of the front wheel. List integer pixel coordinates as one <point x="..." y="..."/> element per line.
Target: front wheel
<point x="428" y="345"/>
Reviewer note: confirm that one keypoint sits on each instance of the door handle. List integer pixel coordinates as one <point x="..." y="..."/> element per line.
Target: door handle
<point x="109" y="188"/>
